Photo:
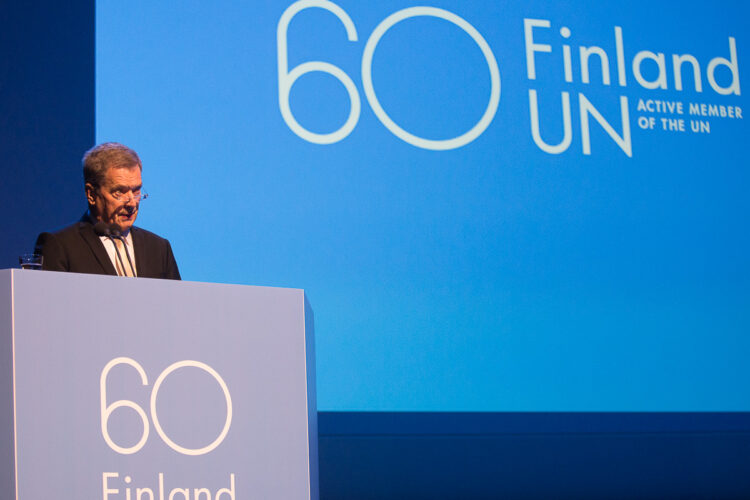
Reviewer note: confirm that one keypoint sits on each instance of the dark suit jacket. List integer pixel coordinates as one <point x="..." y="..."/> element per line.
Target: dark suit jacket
<point x="78" y="249"/>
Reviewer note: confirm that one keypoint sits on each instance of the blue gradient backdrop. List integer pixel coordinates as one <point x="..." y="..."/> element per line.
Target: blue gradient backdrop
<point x="492" y="277"/>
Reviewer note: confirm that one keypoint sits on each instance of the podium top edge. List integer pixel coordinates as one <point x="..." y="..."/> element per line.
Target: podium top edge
<point x="22" y="272"/>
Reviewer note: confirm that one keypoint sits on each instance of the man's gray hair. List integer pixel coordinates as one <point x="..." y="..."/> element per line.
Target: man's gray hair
<point x="101" y="158"/>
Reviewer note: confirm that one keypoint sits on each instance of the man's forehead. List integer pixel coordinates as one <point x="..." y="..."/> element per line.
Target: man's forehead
<point x="123" y="175"/>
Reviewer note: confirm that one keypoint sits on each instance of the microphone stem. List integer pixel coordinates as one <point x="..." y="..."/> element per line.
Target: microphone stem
<point x="119" y="257"/>
<point x="127" y="254"/>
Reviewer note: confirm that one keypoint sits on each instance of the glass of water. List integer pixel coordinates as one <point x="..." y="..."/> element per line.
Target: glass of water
<point x="30" y="261"/>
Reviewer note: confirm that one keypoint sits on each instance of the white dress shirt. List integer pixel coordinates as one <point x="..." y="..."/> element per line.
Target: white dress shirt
<point x="109" y="245"/>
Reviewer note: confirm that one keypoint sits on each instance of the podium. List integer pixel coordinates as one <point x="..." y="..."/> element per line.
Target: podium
<point x="142" y="389"/>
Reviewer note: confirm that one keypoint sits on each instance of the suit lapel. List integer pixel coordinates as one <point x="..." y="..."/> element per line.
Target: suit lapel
<point x="93" y="241"/>
<point x="141" y="267"/>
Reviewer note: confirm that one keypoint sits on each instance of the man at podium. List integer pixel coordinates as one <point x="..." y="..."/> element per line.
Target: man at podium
<point x="104" y="240"/>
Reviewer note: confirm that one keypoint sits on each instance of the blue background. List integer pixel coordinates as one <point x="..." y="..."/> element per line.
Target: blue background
<point x="46" y="118"/>
<point x="493" y="277"/>
<point x="47" y="121"/>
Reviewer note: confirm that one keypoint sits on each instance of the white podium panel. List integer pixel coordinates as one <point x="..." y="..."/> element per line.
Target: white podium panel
<point x="139" y="389"/>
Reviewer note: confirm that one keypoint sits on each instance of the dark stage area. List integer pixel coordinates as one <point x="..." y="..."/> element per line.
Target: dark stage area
<point x="534" y="455"/>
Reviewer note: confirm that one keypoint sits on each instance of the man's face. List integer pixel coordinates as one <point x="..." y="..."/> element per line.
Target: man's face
<point x="124" y="183"/>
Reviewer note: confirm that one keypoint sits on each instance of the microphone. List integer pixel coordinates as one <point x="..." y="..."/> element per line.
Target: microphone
<point x="102" y="229"/>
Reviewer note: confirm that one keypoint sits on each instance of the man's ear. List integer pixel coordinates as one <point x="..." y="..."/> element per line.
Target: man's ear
<point x="90" y="193"/>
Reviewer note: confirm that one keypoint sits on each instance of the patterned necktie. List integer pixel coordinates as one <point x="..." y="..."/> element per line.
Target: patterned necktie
<point x="128" y="271"/>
